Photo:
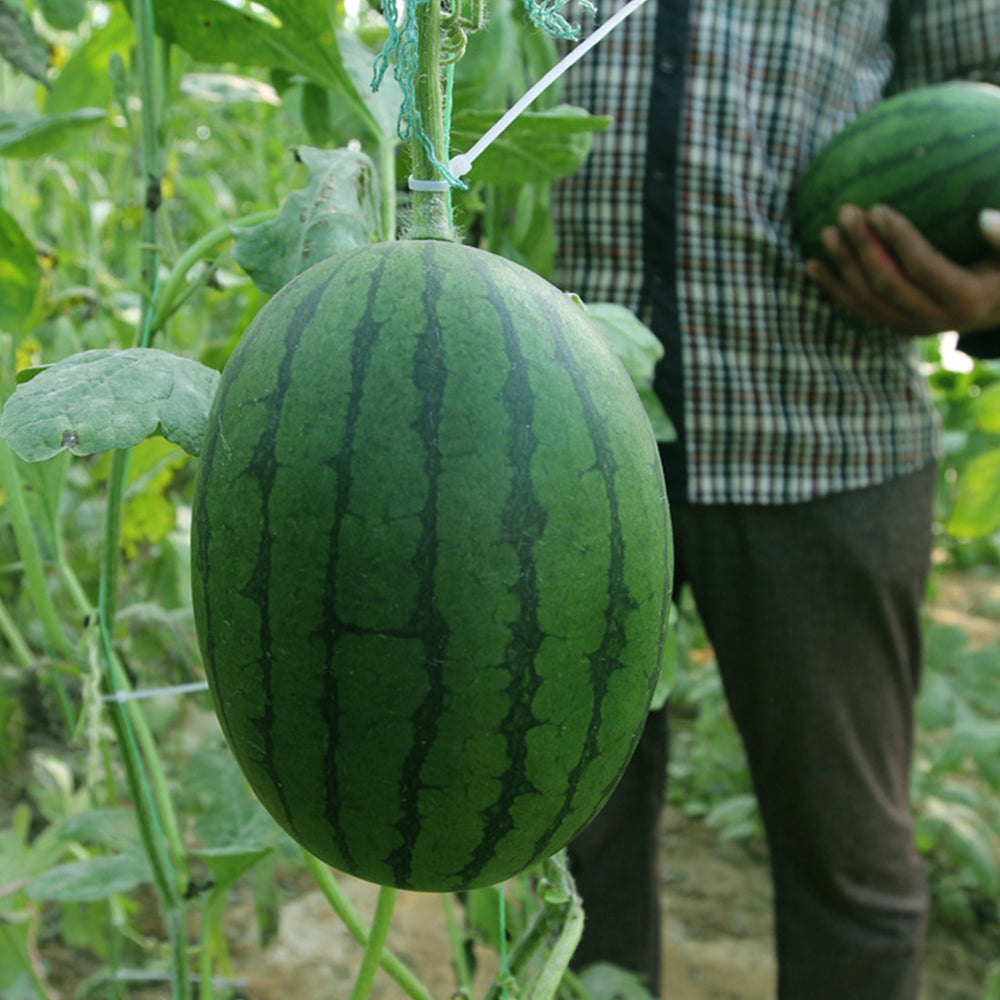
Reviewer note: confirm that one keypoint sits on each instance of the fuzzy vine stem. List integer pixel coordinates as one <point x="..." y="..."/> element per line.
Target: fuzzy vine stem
<point x="170" y="290"/>
<point x="376" y="943"/>
<point x="432" y="211"/>
<point x="31" y="557"/>
<point x="561" y="914"/>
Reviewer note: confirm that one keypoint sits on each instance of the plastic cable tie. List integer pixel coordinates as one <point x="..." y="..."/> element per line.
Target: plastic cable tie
<point x="415" y="184"/>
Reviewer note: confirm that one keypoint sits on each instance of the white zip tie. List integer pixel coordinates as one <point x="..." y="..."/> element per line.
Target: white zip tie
<point x="123" y="696"/>
<point x="462" y="163"/>
<point x="416" y="184"/>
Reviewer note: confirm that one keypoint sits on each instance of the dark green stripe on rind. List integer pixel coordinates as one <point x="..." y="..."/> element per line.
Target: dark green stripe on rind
<point x="429" y="378"/>
<point x="521" y="529"/>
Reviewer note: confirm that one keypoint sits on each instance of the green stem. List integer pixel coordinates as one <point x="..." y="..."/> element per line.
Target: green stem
<point x="19" y="648"/>
<point x="145" y="64"/>
<point x="351" y="919"/>
<point x="432" y="214"/>
<point x="372" y="958"/>
<point x="563" y="918"/>
<point x="144" y="777"/>
<point x="172" y="285"/>
<point x="462" y="972"/>
<point x="387" y="177"/>
<point x="31" y="557"/>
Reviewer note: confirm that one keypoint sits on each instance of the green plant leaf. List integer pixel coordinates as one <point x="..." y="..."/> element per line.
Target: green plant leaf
<point x="20" y="45"/>
<point x="638" y="349"/>
<point x="976" y="512"/>
<point x="229" y="818"/>
<point x="88" y="71"/>
<point x="228" y="88"/>
<point x="19" y="273"/>
<point x="333" y="117"/>
<point x="33" y="137"/>
<point x="228" y="864"/>
<point x="604" y="981"/>
<point x="986" y="408"/>
<point x="299" y="38"/>
<point x="539" y="146"/>
<point x="90" y="880"/>
<point x="63" y="15"/>
<point x="115" y="829"/>
<point x="337" y="210"/>
<point x="105" y="399"/>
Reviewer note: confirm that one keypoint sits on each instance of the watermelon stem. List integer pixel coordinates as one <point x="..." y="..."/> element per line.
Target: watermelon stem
<point x="432" y="210"/>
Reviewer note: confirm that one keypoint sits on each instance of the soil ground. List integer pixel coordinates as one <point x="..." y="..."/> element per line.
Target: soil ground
<point x="717" y="935"/>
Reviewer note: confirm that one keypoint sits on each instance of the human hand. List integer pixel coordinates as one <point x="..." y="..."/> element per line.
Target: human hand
<point x="888" y="273"/>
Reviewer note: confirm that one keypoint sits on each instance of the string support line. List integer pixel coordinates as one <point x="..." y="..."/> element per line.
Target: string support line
<point x="462" y="163"/>
<point x="123" y="696"/>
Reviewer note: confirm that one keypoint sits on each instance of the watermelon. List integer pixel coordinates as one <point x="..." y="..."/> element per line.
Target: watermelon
<point x="431" y="564"/>
<point x="932" y="153"/>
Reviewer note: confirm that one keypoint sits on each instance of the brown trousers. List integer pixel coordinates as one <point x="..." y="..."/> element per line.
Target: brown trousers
<point x="813" y="611"/>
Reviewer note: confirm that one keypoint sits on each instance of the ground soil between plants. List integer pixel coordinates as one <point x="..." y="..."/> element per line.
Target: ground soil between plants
<point x="717" y="935"/>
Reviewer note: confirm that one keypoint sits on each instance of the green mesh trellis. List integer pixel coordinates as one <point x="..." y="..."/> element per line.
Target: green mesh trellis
<point x="401" y="50"/>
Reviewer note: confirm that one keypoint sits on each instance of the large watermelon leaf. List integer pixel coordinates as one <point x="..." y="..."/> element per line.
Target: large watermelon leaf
<point x="19" y="43"/>
<point x="638" y="349"/>
<point x="19" y="273"/>
<point x="337" y="210"/>
<point x="332" y="121"/>
<point x="104" y="399"/>
<point x="537" y="147"/>
<point x="299" y="38"/>
<point x="36" y="136"/>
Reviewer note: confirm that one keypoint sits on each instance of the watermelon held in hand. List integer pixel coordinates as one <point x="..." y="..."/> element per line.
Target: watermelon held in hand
<point x="431" y="564"/>
<point x="932" y="154"/>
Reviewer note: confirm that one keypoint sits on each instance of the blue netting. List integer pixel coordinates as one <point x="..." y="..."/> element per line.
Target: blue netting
<point x="546" y="14"/>
<point x="401" y="50"/>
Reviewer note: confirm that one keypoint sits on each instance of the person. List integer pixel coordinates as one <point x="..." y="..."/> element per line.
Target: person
<point x="802" y="476"/>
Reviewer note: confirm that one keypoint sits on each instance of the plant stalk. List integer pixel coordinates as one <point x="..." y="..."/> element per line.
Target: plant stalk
<point x="372" y="958"/>
<point x="145" y="779"/>
<point x="564" y="919"/>
<point x="31" y="556"/>
<point x="351" y="919"/>
<point x="170" y="289"/>
<point x="432" y="212"/>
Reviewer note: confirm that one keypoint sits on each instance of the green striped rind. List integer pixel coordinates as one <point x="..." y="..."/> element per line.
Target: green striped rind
<point x="431" y="564"/>
<point x="930" y="153"/>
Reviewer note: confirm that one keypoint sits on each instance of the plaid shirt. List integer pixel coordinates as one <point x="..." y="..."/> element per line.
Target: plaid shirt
<point x="683" y="214"/>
